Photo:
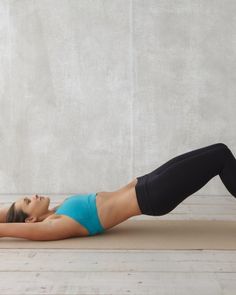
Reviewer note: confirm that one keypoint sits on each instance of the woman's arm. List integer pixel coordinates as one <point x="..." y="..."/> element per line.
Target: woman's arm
<point x="38" y="231"/>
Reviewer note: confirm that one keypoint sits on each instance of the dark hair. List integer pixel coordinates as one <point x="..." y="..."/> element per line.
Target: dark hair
<point x="15" y="216"/>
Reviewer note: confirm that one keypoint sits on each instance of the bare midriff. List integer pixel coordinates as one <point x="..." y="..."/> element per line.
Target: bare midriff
<point x="117" y="206"/>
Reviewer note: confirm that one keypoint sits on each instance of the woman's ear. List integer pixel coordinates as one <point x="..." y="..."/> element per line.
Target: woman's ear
<point x="3" y="214"/>
<point x="30" y="219"/>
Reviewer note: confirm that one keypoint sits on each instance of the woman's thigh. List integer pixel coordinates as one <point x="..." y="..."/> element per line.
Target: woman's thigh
<point x="186" y="155"/>
<point x="163" y="189"/>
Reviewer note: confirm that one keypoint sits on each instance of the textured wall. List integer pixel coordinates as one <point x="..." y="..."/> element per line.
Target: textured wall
<point x="94" y="93"/>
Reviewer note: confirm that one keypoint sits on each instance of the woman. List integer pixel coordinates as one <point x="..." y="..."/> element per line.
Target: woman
<point x="155" y="193"/>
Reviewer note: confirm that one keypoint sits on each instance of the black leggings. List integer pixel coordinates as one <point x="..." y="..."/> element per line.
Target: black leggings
<point x="161" y="190"/>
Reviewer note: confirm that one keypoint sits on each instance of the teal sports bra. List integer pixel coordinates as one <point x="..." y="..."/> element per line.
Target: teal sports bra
<point x="83" y="209"/>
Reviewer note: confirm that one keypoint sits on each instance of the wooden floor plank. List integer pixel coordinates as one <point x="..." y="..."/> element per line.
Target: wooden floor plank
<point x="25" y="260"/>
<point x="104" y="272"/>
<point x="117" y="283"/>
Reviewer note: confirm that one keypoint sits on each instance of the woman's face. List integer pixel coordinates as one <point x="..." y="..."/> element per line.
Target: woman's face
<point x="35" y="206"/>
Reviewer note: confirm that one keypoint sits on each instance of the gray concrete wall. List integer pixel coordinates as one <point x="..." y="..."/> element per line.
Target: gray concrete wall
<point x="94" y="93"/>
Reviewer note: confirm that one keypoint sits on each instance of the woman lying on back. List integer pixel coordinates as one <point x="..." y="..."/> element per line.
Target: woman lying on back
<point x="155" y="193"/>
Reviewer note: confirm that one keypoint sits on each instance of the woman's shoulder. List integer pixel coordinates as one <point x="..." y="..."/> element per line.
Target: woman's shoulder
<point x="67" y="222"/>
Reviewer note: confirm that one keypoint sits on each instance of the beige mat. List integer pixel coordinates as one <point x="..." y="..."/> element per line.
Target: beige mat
<point x="146" y="234"/>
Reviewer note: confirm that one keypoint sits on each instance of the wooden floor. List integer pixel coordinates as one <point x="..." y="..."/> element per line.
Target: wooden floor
<point x="164" y="272"/>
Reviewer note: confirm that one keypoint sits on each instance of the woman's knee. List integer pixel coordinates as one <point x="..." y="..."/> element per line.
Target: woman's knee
<point x="222" y="145"/>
